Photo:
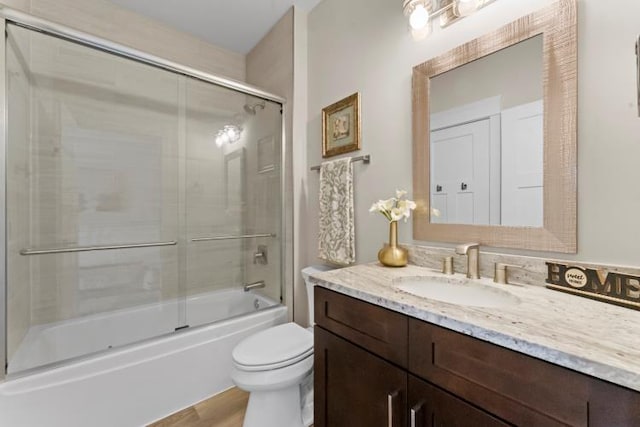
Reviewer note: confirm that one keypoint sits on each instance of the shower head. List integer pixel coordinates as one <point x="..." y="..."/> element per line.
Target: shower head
<point x="252" y="109"/>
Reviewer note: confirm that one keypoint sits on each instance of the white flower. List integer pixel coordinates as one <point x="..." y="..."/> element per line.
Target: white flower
<point x="395" y="208"/>
<point x="396" y="214"/>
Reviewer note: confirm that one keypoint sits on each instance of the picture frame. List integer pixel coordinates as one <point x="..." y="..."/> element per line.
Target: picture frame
<point x="341" y="126"/>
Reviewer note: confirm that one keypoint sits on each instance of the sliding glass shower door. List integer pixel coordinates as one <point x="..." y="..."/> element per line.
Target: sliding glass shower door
<point x="232" y="208"/>
<point x="139" y="201"/>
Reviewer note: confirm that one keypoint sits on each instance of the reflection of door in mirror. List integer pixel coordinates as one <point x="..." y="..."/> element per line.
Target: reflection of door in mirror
<point x="522" y="165"/>
<point x="460" y="173"/>
<point x="486" y="140"/>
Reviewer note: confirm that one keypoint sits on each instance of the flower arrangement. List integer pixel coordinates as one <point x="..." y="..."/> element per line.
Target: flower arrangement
<point x="395" y="208"/>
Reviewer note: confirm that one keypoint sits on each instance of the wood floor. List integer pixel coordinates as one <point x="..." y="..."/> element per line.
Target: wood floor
<point x="223" y="410"/>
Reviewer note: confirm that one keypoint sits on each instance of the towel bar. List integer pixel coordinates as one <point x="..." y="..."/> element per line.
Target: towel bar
<point x="366" y="159"/>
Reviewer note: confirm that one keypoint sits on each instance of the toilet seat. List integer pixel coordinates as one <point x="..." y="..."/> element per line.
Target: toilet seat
<point x="273" y="348"/>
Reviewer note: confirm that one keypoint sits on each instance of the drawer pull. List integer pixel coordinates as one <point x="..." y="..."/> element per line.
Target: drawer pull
<point x="414" y="414"/>
<point x="390" y="398"/>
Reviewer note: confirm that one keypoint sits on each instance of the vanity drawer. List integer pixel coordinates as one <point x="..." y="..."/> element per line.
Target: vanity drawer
<point x="518" y="388"/>
<point x="374" y="328"/>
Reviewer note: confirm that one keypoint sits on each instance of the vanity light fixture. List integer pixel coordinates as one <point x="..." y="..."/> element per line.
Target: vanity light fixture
<point x="422" y="12"/>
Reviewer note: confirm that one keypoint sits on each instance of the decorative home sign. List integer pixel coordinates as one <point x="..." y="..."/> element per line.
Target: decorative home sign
<point x="614" y="288"/>
<point x="341" y="126"/>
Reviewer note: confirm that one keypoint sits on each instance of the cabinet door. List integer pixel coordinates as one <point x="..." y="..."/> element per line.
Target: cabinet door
<point x="431" y="407"/>
<point x="355" y="388"/>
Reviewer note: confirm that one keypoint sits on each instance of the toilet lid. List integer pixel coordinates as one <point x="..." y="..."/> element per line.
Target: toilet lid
<point x="273" y="348"/>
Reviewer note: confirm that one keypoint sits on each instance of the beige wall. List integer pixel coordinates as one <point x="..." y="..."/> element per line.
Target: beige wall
<point x="270" y="66"/>
<point x="364" y="46"/>
<point x="514" y="74"/>
<point x="105" y="19"/>
<point x="299" y="155"/>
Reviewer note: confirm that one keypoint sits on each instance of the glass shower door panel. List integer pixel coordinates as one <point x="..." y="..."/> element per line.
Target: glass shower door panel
<point x="232" y="209"/>
<point x="92" y="163"/>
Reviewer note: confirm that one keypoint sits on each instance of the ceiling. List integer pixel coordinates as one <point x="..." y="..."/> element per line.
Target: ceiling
<point x="237" y="25"/>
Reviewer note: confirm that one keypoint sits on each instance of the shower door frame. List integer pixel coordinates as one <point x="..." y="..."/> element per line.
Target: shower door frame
<point x="25" y="20"/>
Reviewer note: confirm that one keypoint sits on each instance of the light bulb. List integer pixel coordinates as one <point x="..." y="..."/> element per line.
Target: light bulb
<point x="422" y="33"/>
<point x="219" y="142"/>
<point x="465" y="7"/>
<point x="419" y="17"/>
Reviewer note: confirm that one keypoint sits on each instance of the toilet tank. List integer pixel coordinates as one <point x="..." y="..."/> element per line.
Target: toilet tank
<point x="306" y="272"/>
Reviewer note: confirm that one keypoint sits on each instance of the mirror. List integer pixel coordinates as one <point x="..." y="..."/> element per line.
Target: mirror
<point x="495" y="137"/>
<point x="486" y="139"/>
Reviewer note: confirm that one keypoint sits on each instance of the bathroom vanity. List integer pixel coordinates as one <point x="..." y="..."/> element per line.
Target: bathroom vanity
<point x="384" y="357"/>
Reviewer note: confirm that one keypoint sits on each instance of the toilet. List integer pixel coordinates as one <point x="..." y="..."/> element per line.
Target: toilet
<point x="276" y="367"/>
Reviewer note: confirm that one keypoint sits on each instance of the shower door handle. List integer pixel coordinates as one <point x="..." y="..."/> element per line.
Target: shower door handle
<point x="72" y="249"/>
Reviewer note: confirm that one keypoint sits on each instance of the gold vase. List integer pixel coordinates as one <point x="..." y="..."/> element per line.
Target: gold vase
<point x="392" y="255"/>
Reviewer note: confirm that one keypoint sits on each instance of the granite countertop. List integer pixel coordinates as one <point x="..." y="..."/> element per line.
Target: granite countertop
<point x="595" y="338"/>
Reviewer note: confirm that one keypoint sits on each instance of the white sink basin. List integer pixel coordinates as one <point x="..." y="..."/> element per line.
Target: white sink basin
<point x="456" y="291"/>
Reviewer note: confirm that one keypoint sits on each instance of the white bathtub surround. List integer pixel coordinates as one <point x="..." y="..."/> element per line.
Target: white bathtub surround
<point x="59" y="341"/>
<point x="587" y="336"/>
<point x="140" y="383"/>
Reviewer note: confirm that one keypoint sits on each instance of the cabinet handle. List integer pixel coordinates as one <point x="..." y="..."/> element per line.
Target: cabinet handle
<point x="414" y="413"/>
<point x="390" y="398"/>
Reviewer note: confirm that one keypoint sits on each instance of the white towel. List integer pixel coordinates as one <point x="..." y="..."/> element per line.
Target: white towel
<point x="336" y="240"/>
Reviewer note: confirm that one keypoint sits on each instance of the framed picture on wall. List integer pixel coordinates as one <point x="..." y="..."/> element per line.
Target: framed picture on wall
<point x="341" y="126"/>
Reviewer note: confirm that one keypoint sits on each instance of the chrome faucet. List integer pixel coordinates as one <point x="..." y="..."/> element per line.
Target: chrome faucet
<point x="471" y="250"/>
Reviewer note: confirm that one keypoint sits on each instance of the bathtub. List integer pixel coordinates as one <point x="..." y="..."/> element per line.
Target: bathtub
<point x="139" y="383"/>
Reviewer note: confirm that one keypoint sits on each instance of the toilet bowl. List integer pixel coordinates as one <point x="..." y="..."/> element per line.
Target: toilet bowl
<point x="275" y="366"/>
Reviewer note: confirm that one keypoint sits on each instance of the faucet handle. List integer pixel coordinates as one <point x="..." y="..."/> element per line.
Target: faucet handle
<point x="500" y="275"/>
<point x="447" y="265"/>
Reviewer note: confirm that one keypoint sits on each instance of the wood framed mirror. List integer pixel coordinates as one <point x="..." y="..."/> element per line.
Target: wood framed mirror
<point x="495" y="139"/>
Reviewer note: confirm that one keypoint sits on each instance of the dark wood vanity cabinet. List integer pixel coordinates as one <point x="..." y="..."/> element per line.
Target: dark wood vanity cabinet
<point x="355" y="388"/>
<point x="375" y="367"/>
